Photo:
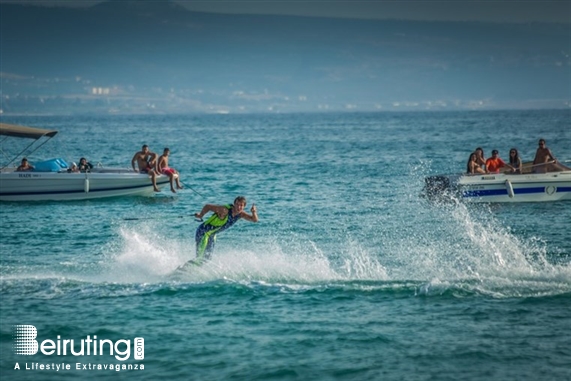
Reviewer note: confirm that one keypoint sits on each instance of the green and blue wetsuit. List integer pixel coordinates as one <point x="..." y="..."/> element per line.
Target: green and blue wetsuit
<point x="206" y="233"/>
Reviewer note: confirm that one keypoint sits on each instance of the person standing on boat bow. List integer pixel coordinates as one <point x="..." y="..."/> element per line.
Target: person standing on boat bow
<point x="224" y="217"/>
<point x="146" y="161"/>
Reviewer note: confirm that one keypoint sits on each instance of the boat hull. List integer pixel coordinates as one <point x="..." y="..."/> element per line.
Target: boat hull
<point x="537" y="187"/>
<point x="103" y="183"/>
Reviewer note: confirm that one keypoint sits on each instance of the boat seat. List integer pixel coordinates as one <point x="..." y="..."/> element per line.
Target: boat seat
<point x="52" y="165"/>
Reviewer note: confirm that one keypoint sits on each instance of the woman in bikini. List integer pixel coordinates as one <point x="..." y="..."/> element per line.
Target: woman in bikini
<point x="472" y="167"/>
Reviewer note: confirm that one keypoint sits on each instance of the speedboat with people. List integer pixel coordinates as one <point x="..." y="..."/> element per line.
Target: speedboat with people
<point x="54" y="179"/>
<point x="533" y="184"/>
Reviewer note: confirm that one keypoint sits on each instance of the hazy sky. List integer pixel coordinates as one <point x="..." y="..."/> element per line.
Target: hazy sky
<point x="449" y="10"/>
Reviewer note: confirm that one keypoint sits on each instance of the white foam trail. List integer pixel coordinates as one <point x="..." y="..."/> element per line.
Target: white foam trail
<point x="271" y="263"/>
<point x="470" y="249"/>
<point x="466" y="249"/>
<point x="142" y="255"/>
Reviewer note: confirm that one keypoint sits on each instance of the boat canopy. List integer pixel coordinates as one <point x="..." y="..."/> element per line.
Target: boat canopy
<point x="25" y="132"/>
<point x="11" y="130"/>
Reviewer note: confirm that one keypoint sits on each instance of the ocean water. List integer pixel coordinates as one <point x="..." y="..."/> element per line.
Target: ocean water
<point x="349" y="275"/>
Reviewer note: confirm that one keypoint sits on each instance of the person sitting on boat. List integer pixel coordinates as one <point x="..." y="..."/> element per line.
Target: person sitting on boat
<point x="163" y="167"/>
<point x="480" y="157"/>
<point x="146" y="161"/>
<point x="74" y="168"/>
<point x="515" y="161"/>
<point x="473" y="167"/>
<point x="544" y="160"/>
<point x="495" y="163"/>
<point x="24" y="166"/>
<point x="84" y="165"/>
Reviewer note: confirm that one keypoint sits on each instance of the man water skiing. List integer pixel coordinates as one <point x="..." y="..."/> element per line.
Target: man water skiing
<point x="224" y="217"/>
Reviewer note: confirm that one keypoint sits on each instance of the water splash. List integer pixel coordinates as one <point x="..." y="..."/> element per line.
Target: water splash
<point x="457" y="248"/>
<point x="468" y="250"/>
<point x="145" y="256"/>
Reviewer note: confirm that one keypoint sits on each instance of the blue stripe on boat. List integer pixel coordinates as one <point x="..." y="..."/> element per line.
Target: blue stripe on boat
<point x="499" y="192"/>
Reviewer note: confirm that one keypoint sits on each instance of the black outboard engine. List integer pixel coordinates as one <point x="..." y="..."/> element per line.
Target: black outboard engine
<point x="436" y="187"/>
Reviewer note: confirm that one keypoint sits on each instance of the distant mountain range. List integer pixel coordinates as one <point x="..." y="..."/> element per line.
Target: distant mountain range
<point x="157" y="57"/>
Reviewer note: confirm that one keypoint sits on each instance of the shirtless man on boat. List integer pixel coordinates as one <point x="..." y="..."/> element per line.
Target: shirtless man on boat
<point x="544" y="160"/>
<point x="163" y="167"/>
<point x="146" y="161"/>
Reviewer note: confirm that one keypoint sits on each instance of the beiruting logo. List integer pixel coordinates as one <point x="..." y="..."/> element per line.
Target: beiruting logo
<point x="25" y="343"/>
<point x="25" y="340"/>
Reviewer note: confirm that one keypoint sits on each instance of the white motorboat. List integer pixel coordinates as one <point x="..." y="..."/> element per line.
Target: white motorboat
<point x="554" y="185"/>
<point x="53" y="180"/>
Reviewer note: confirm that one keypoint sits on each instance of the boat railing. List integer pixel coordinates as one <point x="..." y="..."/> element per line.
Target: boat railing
<point x="111" y="170"/>
<point x="530" y="168"/>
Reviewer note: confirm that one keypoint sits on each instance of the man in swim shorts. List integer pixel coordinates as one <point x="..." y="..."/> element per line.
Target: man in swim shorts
<point x="146" y="161"/>
<point x="224" y="217"/>
<point x="163" y="167"/>
<point x="544" y="160"/>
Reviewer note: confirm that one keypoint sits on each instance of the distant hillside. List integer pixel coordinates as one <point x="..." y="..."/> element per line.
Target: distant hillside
<point x="159" y="57"/>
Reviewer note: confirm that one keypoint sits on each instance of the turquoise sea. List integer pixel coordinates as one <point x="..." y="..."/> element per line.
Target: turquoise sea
<point x="349" y="275"/>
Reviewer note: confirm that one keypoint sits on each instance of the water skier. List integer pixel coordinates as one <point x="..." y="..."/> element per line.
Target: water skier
<point x="224" y="217"/>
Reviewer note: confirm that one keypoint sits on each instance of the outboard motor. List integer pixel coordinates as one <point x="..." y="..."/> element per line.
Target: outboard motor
<point x="436" y="187"/>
